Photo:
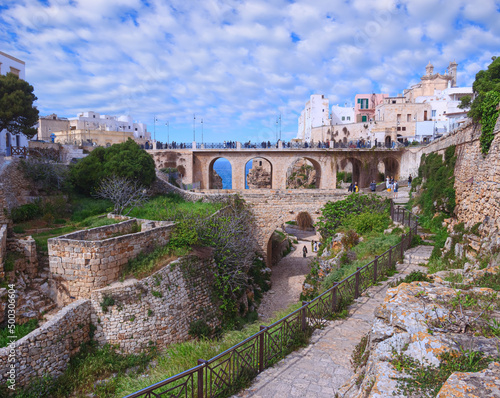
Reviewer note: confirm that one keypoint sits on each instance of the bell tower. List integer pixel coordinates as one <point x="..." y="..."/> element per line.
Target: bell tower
<point x="452" y="71"/>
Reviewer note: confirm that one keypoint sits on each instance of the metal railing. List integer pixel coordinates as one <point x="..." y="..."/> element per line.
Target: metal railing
<point x="221" y="374"/>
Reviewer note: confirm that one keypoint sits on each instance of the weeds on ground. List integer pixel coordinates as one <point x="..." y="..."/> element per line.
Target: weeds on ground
<point x="424" y="380"/>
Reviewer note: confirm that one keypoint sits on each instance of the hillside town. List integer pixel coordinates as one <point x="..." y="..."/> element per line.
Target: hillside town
<point x="355" y="257"/>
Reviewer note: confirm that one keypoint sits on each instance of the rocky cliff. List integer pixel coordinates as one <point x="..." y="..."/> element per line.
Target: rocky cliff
<point x="301" y="175"/>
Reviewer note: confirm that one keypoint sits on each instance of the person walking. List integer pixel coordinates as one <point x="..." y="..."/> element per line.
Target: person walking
<point x="304" y="251"/>
<point x="409" y="181"/>
<point x="356" y="188"/>
<point x="373" y="186"/>
<point x="351" y="187"/>
<point x="387" y="182"/>
<point x="395" y="189"/>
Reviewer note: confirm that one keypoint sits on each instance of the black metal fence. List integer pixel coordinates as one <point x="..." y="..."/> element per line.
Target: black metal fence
<point x="222" y="374"/>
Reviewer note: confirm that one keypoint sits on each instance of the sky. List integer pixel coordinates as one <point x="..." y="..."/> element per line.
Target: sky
<point x="236" y="65"/>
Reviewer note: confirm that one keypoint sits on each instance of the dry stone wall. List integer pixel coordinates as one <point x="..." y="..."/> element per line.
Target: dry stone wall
<point x="477" y="184"/>
<point x="28" y="262"/>
<point x="86" y="260"/>
<point x="158" y="309"/>
<point x="47" y="350"/>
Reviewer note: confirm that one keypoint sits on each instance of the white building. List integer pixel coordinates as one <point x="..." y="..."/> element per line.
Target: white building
<point x="315" y="114"/>
<point x="95" y="121"/>
<point x="342" y="115"/>
<point x="13" y="65"/>
<point x="445" y="113"/>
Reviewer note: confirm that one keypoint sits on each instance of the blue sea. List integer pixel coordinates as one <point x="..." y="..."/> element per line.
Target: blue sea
<point x="223" y="168"/>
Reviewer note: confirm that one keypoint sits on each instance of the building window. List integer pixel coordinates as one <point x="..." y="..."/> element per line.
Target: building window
<point x="348" y="118"/>
<point x="399" y="128"/>
<point x="398" y="117"/>
<point x="136" y="129"/>
<point x="93" y="116"/>
<point x="433" y="113"/>
<point x="15" y="71"/>
<point x="408" y="117"/>
<point x="393" y="101"/>
<point x="403" y="128"/>
<point x="364" y="118"/>
<point x="363" y="103"/>
<point x="343" y="118"/>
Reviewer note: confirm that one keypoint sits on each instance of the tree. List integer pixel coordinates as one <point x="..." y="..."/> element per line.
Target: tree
<point x="483" y="109"/>
<point x="123" y="192"/>
<point x="122" y="160"/>
<point x="17" y="113"/>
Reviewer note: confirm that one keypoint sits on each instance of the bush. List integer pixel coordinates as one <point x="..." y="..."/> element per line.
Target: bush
<point x="200" y="329"/>
<point x="304" y="220"/>
<point x="368" y="222"/>
<point x="123" y="160"/>
<point x="350" y="239"/>
<point x="26" y="212"/>
<point x="334" y="213"/>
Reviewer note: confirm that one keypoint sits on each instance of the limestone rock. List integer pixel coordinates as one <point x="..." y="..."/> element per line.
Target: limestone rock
<point x="473" y="385"/>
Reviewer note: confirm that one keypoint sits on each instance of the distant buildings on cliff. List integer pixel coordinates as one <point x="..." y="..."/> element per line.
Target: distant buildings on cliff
<point x="92" y="129"/>
<point x="424" y="111"/>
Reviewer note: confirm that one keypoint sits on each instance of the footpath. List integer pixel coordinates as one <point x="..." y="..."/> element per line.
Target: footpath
<point x="320" y="369"/>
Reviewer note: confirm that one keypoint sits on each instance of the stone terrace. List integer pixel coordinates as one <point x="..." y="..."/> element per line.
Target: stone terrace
<point x="87" y="260"/>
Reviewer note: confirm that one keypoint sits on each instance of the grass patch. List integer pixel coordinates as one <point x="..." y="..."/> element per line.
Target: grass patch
<point x="147" y="263"/>
<point x="19" y="331"/>
<point x="41" y="238"/>
<point x="173" y="207"/>
<point x="10" y="260"/>
<point x="425" y="381"/>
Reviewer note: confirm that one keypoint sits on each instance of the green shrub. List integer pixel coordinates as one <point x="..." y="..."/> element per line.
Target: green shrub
<point x="334" y="213"/>
<point x="123" y="160"/>
<point x="107" y="301"/>
<point x="368" y="222"/>
<point x="350" y="239"/>
<point x="26" y="212"/>
<point x="200" y="329"/>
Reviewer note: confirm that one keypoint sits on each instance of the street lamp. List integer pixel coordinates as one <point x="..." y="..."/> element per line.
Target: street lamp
<point x="168" y="132"/>
<point x="202" y="130"/>
<point x="194" y="127"/>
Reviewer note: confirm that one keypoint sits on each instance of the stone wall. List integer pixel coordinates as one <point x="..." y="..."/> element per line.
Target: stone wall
<point x="26" y="246"/>
<point x="47" y="350"/>
<point x="477" y="184"/>
<point x="15" y="189"/>
<point x="158" y="309"/>
<point x="86" y="260"/>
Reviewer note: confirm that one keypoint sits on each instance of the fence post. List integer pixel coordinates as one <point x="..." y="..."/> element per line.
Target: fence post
<point x="403" y="222"/>
<point x="392" y="210"/>
<point x="334" y="297"/>
<point x="375" y="265"/>
<point x="356" y="287"/>
<point x="403" y="240"/>
<point x="200" y="378"/>
<point x="390" y="258"/>
<point x="261" y="349"/>
<point x="304" y="313"/>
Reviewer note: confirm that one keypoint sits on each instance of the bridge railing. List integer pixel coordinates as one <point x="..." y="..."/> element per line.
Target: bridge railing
<point x="221" y="374"/>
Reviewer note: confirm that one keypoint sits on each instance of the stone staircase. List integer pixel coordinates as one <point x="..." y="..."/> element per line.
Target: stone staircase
<point x="418" y="255"/>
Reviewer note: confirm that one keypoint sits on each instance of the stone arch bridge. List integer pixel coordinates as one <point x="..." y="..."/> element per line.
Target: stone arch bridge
<point x="196" y="165"/>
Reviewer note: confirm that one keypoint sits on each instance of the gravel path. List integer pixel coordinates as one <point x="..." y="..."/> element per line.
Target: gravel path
<point x="288" y="275"/>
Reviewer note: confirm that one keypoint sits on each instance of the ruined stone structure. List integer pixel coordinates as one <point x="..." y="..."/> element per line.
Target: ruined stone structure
<point x="159" y="308"/>
<point x="259" y="175"/>
<point x="49" y="348"/>
<point x="86" y="260"/>
<point x="197" y="165"/>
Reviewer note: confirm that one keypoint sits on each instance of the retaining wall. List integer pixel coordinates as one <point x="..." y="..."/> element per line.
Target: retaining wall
<point x="86" y="260"/>
<point x="158" y="309"/>
<point x="47" y="350"/>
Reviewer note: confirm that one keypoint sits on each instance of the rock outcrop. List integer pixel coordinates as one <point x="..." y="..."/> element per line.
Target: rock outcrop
<point x="301" y="175"/>
<point x="421" y="321"/>
<point x="259" y="175"/>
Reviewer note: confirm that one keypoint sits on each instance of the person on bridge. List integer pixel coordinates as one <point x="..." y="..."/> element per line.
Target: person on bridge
<point x="304" y="251"/>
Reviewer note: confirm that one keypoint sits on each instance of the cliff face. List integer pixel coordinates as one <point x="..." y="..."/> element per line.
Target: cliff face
<point x="259" y="175"/>
<point x="216" y="180"/>
<point x="301" y="175"/>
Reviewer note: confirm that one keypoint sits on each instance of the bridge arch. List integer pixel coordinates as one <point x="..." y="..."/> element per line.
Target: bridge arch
<point x="359" y="174"/>
<point x="212" y="182"/>
<point x="264" y="171"/>
<point x="315" y="164"/>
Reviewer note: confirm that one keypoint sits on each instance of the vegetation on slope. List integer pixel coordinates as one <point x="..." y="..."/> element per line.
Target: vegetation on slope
<point x="483" y="109"/>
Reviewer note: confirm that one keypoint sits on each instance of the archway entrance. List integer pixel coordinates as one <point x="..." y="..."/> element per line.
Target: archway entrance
<point x="220" y="174"/>
<point x="303" y="173"/>
<point x="258" y="174"/>
<point x="388" y="142"/>
<point x="391" y="167"/>
<point x="356" y="169"/>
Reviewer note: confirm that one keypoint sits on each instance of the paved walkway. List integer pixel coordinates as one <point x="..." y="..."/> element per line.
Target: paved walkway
<point x="320" y="369"/>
